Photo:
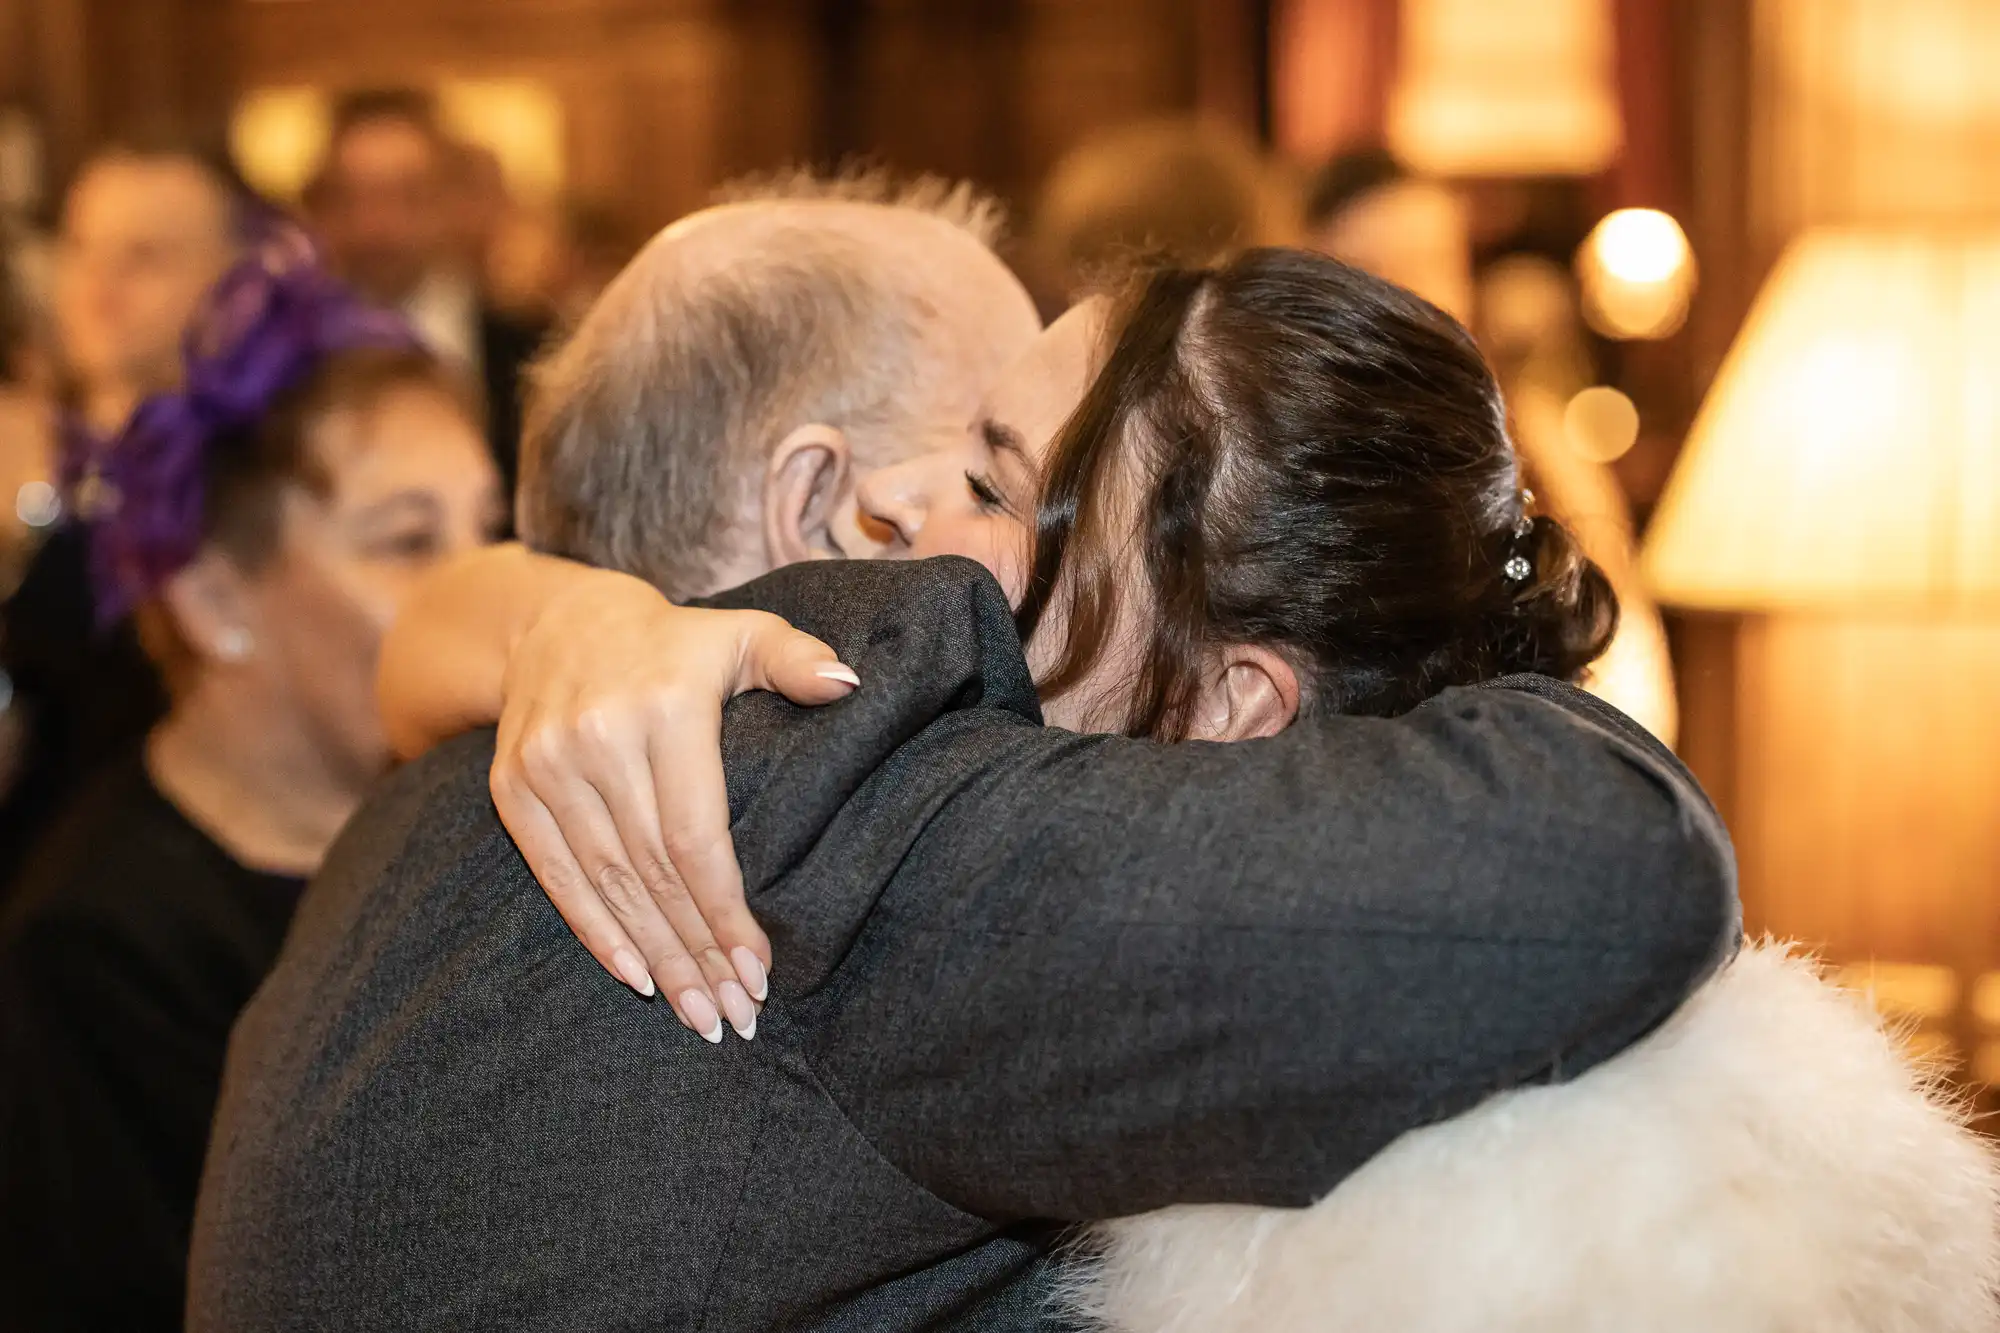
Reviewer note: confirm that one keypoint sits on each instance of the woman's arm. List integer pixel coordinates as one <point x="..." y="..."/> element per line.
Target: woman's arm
<point x="1125" y="974"/>
<point x="645" y="875"/>
<point x="444" y="660"/>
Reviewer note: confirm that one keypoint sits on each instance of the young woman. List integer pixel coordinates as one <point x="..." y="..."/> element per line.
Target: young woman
<point x="262" y="524"/>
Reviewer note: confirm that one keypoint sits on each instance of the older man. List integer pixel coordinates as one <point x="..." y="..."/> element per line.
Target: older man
<point x="441" y="1114"/>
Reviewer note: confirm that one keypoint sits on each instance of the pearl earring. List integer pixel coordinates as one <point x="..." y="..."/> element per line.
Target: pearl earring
<point x="233" y="645"/>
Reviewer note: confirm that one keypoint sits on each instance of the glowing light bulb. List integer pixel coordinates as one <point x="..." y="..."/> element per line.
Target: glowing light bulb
<point x="1638" y="274"/>
<point x="1640" y="245"/>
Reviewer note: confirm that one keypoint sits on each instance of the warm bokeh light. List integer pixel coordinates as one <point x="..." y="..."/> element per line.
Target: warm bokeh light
<point x="1601" y="424"/>
<point x="1849" y="452"/>
<point x="1506" y="88"/>
<point x="520" y="120"/>
<point x="1637" y="272"/>
<point x="1640" y="245"/>
<point x="37" y="504"/>
<point x="277" y="136"/>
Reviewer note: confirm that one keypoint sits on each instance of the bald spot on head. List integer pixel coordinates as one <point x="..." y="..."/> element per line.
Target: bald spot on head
<point x="970" y="314"/>
<point x="650" y="428"/>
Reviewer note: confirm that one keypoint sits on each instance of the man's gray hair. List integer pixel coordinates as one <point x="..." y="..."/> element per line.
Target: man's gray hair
<point x="649" y="427"/>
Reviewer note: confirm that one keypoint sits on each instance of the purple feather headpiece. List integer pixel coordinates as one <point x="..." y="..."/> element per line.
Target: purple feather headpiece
<point x="264" y="329"/>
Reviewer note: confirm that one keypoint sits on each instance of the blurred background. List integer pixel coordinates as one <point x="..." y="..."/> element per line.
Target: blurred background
<point x="1737" y="261"/>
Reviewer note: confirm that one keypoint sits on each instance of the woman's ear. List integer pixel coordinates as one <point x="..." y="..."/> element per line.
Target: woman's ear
<point x="212" y="608"/>
<point x="809" y="474"/>
<point x="1252" y="692"/>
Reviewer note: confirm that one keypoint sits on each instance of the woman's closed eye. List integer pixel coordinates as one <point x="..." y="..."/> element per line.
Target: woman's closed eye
<point x="987" y="493"/>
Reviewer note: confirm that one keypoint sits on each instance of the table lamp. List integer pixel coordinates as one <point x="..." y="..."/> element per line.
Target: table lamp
<point x="1839" y="495"/>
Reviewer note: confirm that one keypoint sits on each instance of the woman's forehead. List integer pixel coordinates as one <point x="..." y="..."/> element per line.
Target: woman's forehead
<point x="411" y="436"/>
<point x="1043" y="387"/>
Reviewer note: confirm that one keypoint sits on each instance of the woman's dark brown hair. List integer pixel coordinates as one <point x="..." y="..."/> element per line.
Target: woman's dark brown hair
<point x="1322" y="467"/>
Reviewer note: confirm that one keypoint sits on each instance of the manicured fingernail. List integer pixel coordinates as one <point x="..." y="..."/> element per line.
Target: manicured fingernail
<point x="632" y="972"/>
<point x="742" y="1013"/>
<point x="751" y="968"/>
<point x="698" y="1012"/>
<point x="839" y="673"/>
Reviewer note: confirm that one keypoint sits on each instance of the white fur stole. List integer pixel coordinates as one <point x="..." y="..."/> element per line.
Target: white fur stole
<point x="1769" y="1161"/>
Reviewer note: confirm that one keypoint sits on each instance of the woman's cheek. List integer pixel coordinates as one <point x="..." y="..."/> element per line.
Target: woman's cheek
<point x="1000" y="544"/>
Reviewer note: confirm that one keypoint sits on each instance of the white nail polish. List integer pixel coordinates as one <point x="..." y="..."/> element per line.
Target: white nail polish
<point x="698" y="1010"/>
<point x="839" y="673"/>
<point x="633" y="972"/>
<point x="742" y="1014"/>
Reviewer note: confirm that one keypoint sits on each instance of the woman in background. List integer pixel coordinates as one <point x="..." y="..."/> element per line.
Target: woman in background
<point x="261" y="525"/>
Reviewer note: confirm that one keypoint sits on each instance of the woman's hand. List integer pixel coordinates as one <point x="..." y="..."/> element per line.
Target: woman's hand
<point x="608" y="774"/>
<point x="608" y="770"/>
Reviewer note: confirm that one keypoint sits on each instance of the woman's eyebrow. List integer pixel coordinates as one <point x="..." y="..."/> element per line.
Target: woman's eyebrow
<point x="1002" y="439"/>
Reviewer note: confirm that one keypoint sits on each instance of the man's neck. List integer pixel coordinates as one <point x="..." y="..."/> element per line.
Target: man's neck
<point x="260" y="790"/>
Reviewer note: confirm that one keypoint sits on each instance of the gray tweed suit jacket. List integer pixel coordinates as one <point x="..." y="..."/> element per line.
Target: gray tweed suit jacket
<point x="1022" y="978"/>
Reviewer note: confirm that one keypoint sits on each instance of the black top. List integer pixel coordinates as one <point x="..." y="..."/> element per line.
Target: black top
<point x="1021" y="977"/>
<point x="128" y="952"/>
<point x="507" y="343"/>
<point x="85" y="695"/>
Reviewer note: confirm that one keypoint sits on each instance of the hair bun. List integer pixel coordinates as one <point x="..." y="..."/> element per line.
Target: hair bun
<point x="1563" y="617"/>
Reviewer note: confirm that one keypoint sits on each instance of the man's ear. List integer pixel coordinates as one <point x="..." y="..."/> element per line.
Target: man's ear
<point x="212" y="608"/>
<point x="810" y="473"/>
<point x="1252" y="692"/>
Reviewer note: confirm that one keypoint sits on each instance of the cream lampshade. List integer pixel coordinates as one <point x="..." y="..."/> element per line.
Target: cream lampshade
<point x="1848" y="454"/>
<point x="1506" y="88"/>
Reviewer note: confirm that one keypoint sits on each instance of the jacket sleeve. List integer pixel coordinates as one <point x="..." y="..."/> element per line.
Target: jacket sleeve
<point x="1109" y="975"/>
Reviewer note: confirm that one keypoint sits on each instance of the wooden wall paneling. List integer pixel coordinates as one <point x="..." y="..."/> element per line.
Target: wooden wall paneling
<point x="17" y="63"/>
<point x="658" y="98"/>
<point x="937" y="88"/>
<point x="93" y="69"/>
<point x="1085" y="67"/>
<point x="1231" y="57"/>
<point x="775" y="91"/>
<point x="1332" y="63"/>
<point x="161" y="60"/>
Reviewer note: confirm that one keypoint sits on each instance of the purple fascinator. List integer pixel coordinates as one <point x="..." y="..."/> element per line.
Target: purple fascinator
<point x="265" y="328"/>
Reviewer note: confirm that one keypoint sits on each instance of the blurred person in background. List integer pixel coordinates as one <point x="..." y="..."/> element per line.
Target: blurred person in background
<point x="479" y="207"/>
<point x="27" y="474"/>
<point x="397" y="204"/>
<point x="27" y="440"/>
<point x="268" y="518"/>
<point x="1366" y="208"/>
<point x="147" y="227"/>
<point x="1178" y="189"/>
<point x="555" y="260"/>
